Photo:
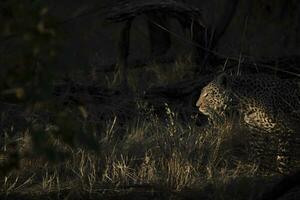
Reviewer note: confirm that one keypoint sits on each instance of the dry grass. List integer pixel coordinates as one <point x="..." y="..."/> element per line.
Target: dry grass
<point x="154" y="157"/>
<point x="149" y="157"/>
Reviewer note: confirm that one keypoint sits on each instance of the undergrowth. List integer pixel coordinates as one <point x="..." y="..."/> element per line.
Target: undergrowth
<point x="154" y="156"/>
<point x="149" y="156"/>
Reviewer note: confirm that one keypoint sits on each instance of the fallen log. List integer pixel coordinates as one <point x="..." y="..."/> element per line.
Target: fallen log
<point x="180" y="96"/>
<point x="129" y="10"/>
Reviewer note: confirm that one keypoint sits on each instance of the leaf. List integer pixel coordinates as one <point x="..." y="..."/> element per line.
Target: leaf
<point x="20" y="93"/>
<point x="83" y="112"/>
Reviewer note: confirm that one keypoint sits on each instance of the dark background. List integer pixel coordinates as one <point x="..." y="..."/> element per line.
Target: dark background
<point x="259" y="29"/>
<point x="62" y="80"/>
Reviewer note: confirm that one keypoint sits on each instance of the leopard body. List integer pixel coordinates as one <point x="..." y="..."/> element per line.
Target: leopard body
<point x="266" y="105"/>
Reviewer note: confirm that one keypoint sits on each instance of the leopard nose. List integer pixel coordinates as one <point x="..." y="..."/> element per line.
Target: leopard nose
<point x="199" y="104"/>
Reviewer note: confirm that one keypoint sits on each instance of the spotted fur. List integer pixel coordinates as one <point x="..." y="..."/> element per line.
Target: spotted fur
<point x="267" y="106"/>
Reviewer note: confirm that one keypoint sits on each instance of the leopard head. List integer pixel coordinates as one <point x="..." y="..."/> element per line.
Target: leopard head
<point x="215" y="98"/>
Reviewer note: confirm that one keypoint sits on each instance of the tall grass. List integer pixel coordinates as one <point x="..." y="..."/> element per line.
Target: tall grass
<point x="148" y="156"/>
<point x="153" y="155"/>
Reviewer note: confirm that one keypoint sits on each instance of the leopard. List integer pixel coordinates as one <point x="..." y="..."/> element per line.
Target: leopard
<point x="267" y="106"/>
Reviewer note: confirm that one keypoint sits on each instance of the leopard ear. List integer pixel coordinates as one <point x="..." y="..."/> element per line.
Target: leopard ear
<point x="222" y="79"/>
